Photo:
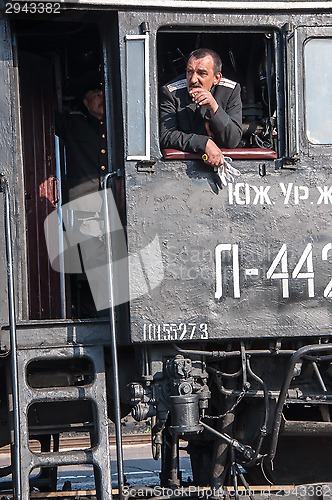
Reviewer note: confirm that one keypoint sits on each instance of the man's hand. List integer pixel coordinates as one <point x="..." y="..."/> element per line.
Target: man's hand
<point x="215" y="158"/>
<point x="203" y="97"/>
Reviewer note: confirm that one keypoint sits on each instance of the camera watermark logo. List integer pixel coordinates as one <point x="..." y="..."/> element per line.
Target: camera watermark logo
<point x="79" y="237"/>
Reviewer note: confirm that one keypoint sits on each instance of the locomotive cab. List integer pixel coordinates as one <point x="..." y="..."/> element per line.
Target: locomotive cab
<point x="222" y="327"/>
<point x="238" y="296"/>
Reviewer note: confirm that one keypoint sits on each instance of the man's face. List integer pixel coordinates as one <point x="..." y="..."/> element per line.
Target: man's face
<point x="200" y="73"/>
<point x="94" y="102"/>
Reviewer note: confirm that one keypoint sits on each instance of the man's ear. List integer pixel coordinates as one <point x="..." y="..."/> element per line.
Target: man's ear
<point x="85" y="102"/>
<point x="217" y="78"/>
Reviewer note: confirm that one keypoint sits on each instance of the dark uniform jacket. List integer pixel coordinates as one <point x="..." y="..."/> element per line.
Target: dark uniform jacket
<point x="86" y="154"/>
<point x="183" y="122"/>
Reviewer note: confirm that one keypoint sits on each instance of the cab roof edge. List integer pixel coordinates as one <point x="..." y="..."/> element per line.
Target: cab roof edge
<point x="209" y="4"/>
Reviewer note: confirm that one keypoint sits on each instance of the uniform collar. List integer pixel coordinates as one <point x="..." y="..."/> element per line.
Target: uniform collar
<point x="93" y="120"/>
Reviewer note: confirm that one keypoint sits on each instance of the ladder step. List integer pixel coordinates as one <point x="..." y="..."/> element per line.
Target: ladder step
<point x="86" y="405"/>
<point x="51" y="459"/>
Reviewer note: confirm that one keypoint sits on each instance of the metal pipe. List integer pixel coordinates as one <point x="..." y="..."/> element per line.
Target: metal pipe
<point x="224" y="374"/>
<point x="304" y="428"/>
<point x="254" y="393"/>
<point x="114" y="355"/>
<point x="108" y="105"/>
<point x="318" y="358"/>
<point x="109" y="118"/>
<point x="231" y="354"/>
<point x="246" y="392"/>
<point x="283" y="393"/>
<point x="234" y="474"/>
<point x="265" y="391"/>
<point x="251" y="352"/>
<point x="319" y="376"/>
<point x="175" y="461"/>
<point x="263" y="429"/>
<point x="60" y="229"/>
<point x="16" y="445"/>
<point x="220" y="435"/>
<point x="244" y="367"/>
<point x="245" y="450"/>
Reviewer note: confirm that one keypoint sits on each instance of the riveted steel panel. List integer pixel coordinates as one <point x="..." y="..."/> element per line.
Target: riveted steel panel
<point x="253" y="259"/>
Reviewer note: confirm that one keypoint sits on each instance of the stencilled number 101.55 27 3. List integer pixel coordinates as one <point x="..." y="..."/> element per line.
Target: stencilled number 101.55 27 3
<point x="174" y="331"/>
<point x="278" y="270"/>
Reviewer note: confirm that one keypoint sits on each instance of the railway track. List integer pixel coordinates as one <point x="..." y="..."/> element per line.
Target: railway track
<point x="266" y="492"/>
<point x="83" y="442"/>
<point x="76" y="443"/>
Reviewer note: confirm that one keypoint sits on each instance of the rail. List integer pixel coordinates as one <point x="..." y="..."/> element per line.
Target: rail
<point x="81" y="442"/>
<point x="303" y="490"/>
<point x="17" y="472"/>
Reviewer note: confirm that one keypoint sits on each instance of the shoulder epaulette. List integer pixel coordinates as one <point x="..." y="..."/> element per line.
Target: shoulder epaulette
<point x="77" y="113"/>
<point x="227" y="83"/>
<point x="180" y="84"/>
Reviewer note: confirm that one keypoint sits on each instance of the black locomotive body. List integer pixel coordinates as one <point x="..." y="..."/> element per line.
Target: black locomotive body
<point x="221" y="336"/>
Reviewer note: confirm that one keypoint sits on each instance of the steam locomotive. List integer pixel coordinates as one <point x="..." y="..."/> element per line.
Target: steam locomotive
<point x="221" y="338"/>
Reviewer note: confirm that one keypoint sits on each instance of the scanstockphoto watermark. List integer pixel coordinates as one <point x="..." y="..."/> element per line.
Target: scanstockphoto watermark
<point x="300" y="491"/>
<point x="79" y="236"/>
<point x="164" y="492"/>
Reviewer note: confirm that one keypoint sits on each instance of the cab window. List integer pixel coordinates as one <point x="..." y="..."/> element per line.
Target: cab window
<point x="318" y="90"/>
<point x="248" y="58"/>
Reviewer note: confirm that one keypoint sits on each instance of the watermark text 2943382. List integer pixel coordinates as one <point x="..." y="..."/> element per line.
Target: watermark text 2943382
<point x="32" y="7"/>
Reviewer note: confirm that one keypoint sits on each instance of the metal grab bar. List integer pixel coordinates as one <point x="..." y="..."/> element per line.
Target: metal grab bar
<point x="116" y="388"/>
<point x="315" y="348"/>
<point x="16" y="445"/>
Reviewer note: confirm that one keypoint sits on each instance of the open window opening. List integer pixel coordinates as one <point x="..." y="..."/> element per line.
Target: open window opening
<point x="248" y="59"/>
<point x="58" y="62"/>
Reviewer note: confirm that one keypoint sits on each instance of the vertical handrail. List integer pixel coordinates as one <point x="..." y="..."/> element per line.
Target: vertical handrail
<point x="16" y="446"/>
<point x="114" y="354"/>
<point x="60" y="229"/>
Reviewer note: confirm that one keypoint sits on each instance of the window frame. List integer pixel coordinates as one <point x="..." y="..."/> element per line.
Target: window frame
<point x="291" y="92"/>
<point x="278" y="54"/>
<point x="305" y="33"/>
<point x="144" y="111"/>
<point x="305" y="81"/>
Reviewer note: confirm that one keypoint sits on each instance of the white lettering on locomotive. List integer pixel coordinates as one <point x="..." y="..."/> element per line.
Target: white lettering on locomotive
<point x="242" y="193"/>
<point x="279" y="269"/>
